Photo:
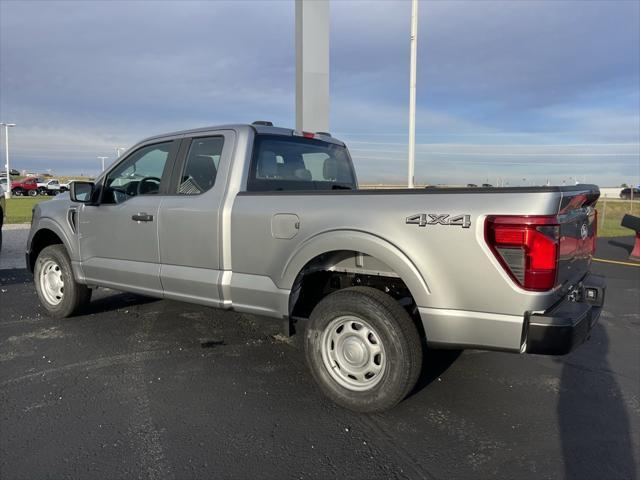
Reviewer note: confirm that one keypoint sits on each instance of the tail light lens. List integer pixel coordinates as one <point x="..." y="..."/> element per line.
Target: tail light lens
<point x="527" y="247"/>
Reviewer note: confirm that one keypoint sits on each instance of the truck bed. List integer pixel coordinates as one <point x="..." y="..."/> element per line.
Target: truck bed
<point x="458" y="266"/>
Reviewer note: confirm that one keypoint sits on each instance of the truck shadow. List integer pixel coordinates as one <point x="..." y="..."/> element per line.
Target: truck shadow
<point x="434" y="364"/>
<point x="593" y="421"/>
<point x="116" y="301"/>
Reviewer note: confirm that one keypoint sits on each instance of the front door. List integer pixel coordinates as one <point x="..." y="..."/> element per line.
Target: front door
<point x="118" y="237"/>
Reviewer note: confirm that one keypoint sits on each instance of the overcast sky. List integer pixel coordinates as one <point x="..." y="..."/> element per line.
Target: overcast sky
<point x="512" y="89"/>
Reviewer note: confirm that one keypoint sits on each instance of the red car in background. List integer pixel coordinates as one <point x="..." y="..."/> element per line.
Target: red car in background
<point x="27" y="186"/>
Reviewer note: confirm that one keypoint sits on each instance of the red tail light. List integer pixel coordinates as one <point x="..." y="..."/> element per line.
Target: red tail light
<point x="527" y="248"/>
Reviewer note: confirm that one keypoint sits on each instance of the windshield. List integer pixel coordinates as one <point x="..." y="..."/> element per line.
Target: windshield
<point x="296" y="163"/>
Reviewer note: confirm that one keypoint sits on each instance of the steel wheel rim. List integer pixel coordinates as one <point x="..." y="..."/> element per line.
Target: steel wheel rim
<point x="51" y="282"/>
<point x="353" y="353"/>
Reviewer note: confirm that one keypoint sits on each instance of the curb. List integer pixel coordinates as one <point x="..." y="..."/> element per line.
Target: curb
<point x="16" y="226"/>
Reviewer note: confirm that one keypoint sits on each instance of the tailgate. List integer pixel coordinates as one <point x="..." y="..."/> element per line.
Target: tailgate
<point x="578" y="230"/>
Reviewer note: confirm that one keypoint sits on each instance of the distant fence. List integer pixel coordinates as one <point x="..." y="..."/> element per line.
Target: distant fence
<point x="610" y="213"/>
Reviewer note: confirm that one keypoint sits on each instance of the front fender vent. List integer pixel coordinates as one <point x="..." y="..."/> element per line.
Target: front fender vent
<point x="72" y="218"/>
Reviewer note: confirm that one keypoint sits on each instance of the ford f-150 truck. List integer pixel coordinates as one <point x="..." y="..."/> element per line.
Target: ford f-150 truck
<point x="270" y="221"/>
<point x="49" y="186"/>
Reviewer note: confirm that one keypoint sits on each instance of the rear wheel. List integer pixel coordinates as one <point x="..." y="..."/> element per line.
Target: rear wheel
<point x="16" y="192"/>
<point x="363" y="349"/>
<point x="33" y="192"/>
<point x="60" y="295"/>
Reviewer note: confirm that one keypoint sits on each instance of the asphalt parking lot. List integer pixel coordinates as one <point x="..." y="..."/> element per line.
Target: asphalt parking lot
<point x="144" y="388"/>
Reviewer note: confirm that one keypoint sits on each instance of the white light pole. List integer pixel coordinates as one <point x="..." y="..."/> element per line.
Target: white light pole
<point x="103" y="159"/>
<point x="6" y="126"/>
<point x="412" y="92"/>
<point x="119" y="151"/>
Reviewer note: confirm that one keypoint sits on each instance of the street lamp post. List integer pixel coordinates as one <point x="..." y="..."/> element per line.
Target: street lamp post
<point x="103" y="159"/>
<point x="6" y="126"/>
<point x="412" y="93"/>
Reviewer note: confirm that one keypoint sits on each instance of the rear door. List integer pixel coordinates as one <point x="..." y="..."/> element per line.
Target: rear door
<point x="118" y="238"/>
<point x="189" y="232"/>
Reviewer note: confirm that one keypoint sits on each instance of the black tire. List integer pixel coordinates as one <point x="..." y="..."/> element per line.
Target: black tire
<point x="74" y="296"/>
<point x="17" y="192"/>
<point x="33" y="193"/>
<point x="396" y="333"/>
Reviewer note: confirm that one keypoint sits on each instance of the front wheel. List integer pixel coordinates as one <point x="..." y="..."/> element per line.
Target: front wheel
<point x="59" y="293"/>
<point x="33" y="193"/>
<point x="363" y="349"/>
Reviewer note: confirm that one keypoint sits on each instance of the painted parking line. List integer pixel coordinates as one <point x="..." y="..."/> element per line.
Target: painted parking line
<point x="616" y="262"/>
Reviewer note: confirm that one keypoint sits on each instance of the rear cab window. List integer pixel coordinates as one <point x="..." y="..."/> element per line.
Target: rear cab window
<point x="201" y="165"/>
<point x="292" y="163"/>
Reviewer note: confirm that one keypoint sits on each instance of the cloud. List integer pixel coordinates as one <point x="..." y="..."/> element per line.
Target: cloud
<point x="80" y="78"/>
<point x="512" y="53"/>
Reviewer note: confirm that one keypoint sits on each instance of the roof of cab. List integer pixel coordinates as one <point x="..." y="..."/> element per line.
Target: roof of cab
<point x="260" y="129"/>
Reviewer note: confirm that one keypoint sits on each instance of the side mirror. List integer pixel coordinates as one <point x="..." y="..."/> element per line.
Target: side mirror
<point x="81" y="191"/>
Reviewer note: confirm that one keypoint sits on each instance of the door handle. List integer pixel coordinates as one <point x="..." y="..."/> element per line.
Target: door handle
<point x="142" y="217"/>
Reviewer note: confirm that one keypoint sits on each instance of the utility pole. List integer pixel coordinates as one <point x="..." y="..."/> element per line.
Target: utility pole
<point x="6" y="126"/>
<point x="103" y="159"/>
<point x="412" y="93"/>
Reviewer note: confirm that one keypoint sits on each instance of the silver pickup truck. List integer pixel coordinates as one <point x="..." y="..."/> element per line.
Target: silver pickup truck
<point x="270" y="221"/>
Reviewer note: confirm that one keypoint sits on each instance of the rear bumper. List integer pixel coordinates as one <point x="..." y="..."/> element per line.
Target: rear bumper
<point x="569" y="323"/>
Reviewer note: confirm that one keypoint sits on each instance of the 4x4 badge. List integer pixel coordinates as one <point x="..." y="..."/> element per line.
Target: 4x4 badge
<point x="424" y="219"/>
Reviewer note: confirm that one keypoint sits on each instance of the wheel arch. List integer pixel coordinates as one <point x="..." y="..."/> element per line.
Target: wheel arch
<point x="48" y="233"/>
<point x="333" y="243"/>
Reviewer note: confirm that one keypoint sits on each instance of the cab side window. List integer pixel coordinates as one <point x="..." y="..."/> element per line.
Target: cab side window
<point x="201" y="166"/>
<point x="140" y="174"/>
